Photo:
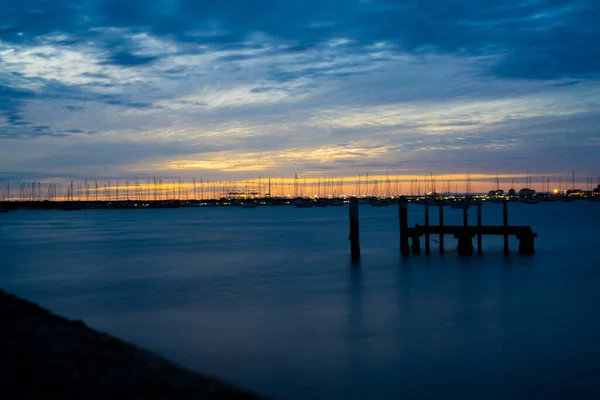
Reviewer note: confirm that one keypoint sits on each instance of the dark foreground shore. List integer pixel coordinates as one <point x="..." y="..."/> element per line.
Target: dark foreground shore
<point x="43" y="355"/>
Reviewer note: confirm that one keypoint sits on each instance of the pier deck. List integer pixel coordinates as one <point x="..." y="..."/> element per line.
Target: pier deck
<point x="464" y="233"/>
<point x="457" y="230"/>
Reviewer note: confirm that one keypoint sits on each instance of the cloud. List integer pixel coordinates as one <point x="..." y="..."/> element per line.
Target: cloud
<point x="13" y="123"/>
<point x="235" y="161"/>
<point x="236" y="57"/>
<point x="24" y="20"/>
<point x="544" y="39"/>
<point x="74" y="108"/>
<point x="11" y="99"/>
<point x="126" y="59"/>
<point x="229" y="85"/>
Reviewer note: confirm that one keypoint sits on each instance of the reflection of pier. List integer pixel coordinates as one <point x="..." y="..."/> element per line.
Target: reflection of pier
<point x="464" y="233"/>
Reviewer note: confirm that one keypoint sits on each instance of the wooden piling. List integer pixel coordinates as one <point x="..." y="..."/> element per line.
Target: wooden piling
<point x="442" y="228"/>
<point x="505" y="225"/>
<point x="479" y="225"/>
<point x="354" y="230"/>
<point x="416" y="244"/>
<point x="465" y="244"/>
<point x="526" y="245"/>
<point x="403" y="216"/>
<point x="427" y="244"/>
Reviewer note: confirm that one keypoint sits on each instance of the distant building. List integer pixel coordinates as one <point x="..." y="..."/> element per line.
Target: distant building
<point x="512" y="192"/>
<point x="575" y="192"/>
<point x="526" y="192"/>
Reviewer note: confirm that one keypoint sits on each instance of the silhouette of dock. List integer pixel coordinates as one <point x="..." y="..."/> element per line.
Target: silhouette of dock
<point x="410" y="237"/>
<point x="464" y="233"/>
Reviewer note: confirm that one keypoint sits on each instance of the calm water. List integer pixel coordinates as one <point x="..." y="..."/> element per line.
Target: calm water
<point x="267" y="298"/>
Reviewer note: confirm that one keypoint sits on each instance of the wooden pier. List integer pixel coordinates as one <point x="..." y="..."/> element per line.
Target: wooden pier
<point x="464" y="233"/>
<point x="354" y="230"/>
<point x="410" y="238"/>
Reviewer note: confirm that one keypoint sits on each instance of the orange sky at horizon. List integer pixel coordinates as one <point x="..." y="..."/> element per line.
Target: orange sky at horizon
<point x="305" y="186"/>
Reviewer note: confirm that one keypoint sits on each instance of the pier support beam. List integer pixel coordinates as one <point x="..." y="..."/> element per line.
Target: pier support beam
<point x="505" y="224"/>
<point x="479" y="224"/>
<point x="442" y="230"/>
<point x="427" y="244"/>
<point x="354" y="230"/>
<point x="416" y="244"/>
<point x="465" y="244"/>
<point x="403" y="216"/>
<point x="526" y="245"/>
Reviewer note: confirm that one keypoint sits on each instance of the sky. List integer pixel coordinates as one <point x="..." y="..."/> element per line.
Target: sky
<point x="232" y="90"/>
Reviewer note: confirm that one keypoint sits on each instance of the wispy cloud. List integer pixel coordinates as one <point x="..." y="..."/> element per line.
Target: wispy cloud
<point x="337" y="86"/>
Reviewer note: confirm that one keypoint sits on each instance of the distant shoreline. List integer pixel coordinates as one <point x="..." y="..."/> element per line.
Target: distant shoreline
<point x="6" y="206"/>
<point x="44" y="355"/>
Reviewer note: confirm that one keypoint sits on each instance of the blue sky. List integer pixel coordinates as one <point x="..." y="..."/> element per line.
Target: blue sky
<point x="236" y="89"/>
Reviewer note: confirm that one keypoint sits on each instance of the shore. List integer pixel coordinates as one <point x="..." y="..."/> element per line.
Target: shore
<point x="47" y="356"/>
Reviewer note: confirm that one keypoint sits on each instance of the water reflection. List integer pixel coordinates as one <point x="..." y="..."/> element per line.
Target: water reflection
<point x="270" y="300"/>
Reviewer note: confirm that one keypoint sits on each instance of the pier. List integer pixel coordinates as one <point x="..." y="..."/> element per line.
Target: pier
<point x="464" y="233"/>
<point x="410" y="237"/>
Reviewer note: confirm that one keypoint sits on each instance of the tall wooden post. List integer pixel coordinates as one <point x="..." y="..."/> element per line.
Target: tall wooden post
<point x="441" y="228"/>
<point x="354" y="231"/>
<point x="427" y="246"/>
<point x="416" y="244"/>
<point x="465" y="245"/>
<point x="505" y="224"/>
<point x="526" y="245"/>
<point x="479" y="224"/>
<point x="403" y="216"/>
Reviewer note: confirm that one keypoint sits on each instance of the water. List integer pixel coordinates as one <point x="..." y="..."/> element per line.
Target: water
<point x="267" y="298"/>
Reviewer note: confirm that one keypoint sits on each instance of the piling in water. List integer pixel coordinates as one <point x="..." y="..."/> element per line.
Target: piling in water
<point x="505" y="224"/>
<point x="526" y="245"/>
<point x="427" y="245"/>
<point x="442" y="228"/>
<point x="416" y="244"/>
<point x="354" y="230"/>
<point x="465" y="243"/>
<point x="403" y="216"/>
<point x="479" y="225"/>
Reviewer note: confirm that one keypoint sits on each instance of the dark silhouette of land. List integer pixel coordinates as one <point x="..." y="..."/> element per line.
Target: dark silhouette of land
<point x="43" y="355"/>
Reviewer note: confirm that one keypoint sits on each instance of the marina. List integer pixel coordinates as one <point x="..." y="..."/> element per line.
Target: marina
<point x="452" y="200"/>
<point x="378" y="191"/>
